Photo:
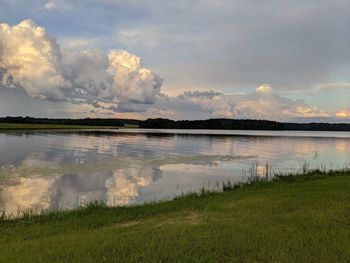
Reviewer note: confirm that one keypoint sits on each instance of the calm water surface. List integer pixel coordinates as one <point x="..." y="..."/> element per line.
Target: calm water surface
<point x="60" y="170"/>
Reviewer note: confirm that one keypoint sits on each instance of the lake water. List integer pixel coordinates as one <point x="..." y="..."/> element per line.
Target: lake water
<point x="67" y="169"/>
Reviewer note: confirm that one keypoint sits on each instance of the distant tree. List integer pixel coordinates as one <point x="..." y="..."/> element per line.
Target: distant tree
<point x="242" y="124"/>
<point x="215" y="124"/>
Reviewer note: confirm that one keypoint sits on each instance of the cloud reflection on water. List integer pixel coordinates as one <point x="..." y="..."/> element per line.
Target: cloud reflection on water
<point x="57" y="171"/>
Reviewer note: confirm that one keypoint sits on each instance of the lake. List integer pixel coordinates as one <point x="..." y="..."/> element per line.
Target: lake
<point x="56" y="170"/>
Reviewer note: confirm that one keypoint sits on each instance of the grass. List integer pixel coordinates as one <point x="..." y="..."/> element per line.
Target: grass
<point x="131" y="126"/>
<point x="24" y="126"/>
<point x="302" y="218"/>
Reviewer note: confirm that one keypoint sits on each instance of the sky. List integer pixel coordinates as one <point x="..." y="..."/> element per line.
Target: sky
<point x="283" y="60"/>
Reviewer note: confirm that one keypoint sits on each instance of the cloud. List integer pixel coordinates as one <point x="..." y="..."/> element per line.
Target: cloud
<point x="261" y="104"/>
<point x="343" y="114"/>
<point x="133" y="82"/>
<point x="77" y="43"/>
<point x="264" y="89"/>
<point x="33" y="60"/>
<point x="292" y="45"/>
<point x="332" y="86"/>
<point x="98" y="82"/>
<point x="289" y="44"/>
<point x="213" y="104"/>
<point x="49" y="5"/>
<point x="88" y="76"/>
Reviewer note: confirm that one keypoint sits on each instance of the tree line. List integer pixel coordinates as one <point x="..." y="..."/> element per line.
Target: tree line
<point x="242" y="124"/>
<point x="216" y="124"/>
<point x="86" y="121"/>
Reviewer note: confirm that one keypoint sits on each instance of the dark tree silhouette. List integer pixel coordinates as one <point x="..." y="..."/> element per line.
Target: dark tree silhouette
<point x="216" y="124"/>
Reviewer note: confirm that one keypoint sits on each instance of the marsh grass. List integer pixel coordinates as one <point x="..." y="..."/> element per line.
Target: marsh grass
<point x="269" y="174"/>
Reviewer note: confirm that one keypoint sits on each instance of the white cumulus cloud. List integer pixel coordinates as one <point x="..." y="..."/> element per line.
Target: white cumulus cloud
<point x="33" y="60"/>
<point x="132" y="81"/>
<point x="265" y="88"/>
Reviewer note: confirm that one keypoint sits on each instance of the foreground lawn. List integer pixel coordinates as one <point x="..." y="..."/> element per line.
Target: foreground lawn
<point x="297" y="219"/>
<point x="25" y="126"/>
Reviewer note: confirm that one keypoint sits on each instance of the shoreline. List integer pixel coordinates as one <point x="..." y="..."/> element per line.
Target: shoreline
<point x="251" y="181"/>
<point x="289" y="219"/>
<point x="32" y="127"/>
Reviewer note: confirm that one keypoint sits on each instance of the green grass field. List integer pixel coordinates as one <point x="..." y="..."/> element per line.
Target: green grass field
<point x="24" y="126"/>
<point x="295" y="219"/>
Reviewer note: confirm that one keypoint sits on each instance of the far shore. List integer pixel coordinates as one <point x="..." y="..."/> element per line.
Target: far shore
<point x="25" y="126"/>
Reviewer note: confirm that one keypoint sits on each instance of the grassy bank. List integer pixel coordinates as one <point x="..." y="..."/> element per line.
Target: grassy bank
<point x="293" y="219"/>
<point x="24" y="126"/>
